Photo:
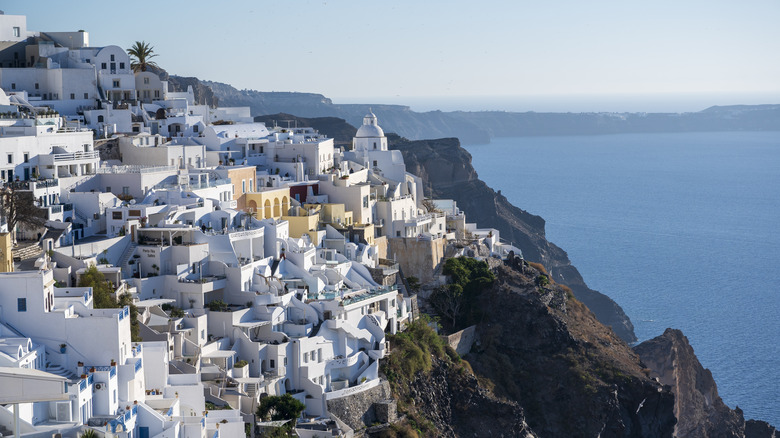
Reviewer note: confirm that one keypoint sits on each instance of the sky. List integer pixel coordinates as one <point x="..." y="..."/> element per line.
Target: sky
<point x="454" y="54"/>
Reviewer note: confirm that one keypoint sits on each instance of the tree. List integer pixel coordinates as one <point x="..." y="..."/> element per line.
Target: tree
<point x="414" y="283"/>
<point x="279" y="408"/>
<point x="448" y="301"/>
<point x="457" y="301"/>
<point x="102" y="298"/>
<point x="101" y="288"/>
<point x="17" y="208"/>
<point x="141" y="52"/>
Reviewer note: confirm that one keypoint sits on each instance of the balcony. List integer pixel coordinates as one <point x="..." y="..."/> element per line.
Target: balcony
<point x="76" y="156"/>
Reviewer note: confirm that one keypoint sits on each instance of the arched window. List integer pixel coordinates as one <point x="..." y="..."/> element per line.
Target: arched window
<point x="100" y="119"/>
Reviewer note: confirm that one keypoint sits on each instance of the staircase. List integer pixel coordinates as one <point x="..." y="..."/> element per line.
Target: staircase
<point x="129" y="251"/>
<point x="60" y="371"/>
<point x="27" y="251"/>
<point x="251" y="390"/>
<point x="81" y="217"/>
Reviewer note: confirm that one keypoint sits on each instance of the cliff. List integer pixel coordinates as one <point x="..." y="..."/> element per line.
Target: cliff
<point x="542" y="366"/>
<point x="446" y="171"/>
<point x="699" y="408"/>
<point x="573" y="376"/>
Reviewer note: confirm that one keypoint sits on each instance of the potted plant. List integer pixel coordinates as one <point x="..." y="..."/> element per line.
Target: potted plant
<point x="63" y="347"/>
<point x="113" y="362"/>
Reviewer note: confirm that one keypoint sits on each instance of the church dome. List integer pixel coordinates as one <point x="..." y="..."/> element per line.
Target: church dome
<point x="370" y="127"/>
<point x="370" y="131"/>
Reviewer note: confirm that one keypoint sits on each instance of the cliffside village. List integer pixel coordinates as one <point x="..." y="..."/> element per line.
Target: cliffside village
<point x="262" y="260"/>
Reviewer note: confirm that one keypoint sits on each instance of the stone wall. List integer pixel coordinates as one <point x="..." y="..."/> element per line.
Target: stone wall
<point x="418" y="258"/>
<point x="462" y="340"/>
<point x="365" y="408"/>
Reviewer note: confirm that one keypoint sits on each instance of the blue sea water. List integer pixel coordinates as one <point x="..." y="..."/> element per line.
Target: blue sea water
<point x="682" y="230"/>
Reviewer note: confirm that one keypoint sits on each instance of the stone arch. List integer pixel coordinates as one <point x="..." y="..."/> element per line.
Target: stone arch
<point x="267" y="207"/>
<point x="277" y="211"/>
<point x="285" y="204"/>
<point x="253" y="206"/>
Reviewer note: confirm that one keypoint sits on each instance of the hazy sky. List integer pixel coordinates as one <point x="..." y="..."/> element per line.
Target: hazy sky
<point x="359" y="50"/>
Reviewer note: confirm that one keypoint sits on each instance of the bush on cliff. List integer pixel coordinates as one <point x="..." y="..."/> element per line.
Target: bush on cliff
<point x="411" y="351"/>
<point x="457" y="301"/>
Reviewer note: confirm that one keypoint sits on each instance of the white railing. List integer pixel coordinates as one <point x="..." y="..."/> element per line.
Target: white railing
<point x="136" y="169"/>
<point x="92" y="155"/>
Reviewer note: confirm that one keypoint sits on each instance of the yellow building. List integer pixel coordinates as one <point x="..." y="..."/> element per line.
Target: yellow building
<point x="269" y="204"/>
<point x="336" y="215"/>
<point x="306" y="221"/>
<point x="243" y="180"/>
<point x="6" y="256"/>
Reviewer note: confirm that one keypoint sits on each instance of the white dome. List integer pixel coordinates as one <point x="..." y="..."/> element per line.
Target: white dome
<point x="370" y="131"/>
<point x="370" y="127"/>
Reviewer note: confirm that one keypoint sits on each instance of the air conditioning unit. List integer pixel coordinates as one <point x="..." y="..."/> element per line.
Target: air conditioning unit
<point x="98" y="386"/>
<point x="63" y="412"/>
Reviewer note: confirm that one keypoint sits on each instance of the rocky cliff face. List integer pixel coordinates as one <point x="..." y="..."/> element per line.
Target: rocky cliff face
<point x="446" y="171"/>
<point x="458" y="405"/>
<point x="698" y="407"/>
<point x="571" y="374"/>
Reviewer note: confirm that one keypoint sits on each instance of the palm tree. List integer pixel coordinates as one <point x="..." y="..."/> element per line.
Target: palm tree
<point x="141" y="52"/>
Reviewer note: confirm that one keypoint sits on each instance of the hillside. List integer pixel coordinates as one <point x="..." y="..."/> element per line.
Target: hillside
<point x="479" y="127"/>
<point x="542" y="366"/>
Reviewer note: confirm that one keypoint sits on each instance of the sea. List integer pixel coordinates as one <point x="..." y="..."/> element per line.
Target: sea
<point x="682" y="230"/>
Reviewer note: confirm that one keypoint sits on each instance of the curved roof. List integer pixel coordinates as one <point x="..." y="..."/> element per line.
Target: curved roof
<point x="241" y="130"/>
<point x="370" y="127"/>
<point x="370" y="131"/>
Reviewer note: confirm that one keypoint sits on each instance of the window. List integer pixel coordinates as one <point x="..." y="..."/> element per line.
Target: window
<point x="108" y="189"/>
<point x="195" y="128"/>
<point x="26" y="157"/>
<point x="37" y="86"/>
<point x="375" y="164"/>
<point x="112" y="58"/>
<point x="306" y="357"/>
<point x="122" y="65"/>
<point x="243" y="186"/>
<point x="397" y="234"/>
<point x="103" y="65"/>
<point x="100" y="119"/>
<point x="273" y="364"/>
<point x="365" y="201"/>
<point x="10" y="158"/>
<point x="116" y="215"/>
<point x="374" y="145"/>
<point x="86" y="95"/>
<point x="21" y="304"/>
<point x="285" y="361"/>
<point x="126" y="190"/>
<point x="89" y="61"/>
<point x="146" y="80"/>
<point x="72" y="96"/>
<point x="116" y="83"/>
<point x="203" y="334"/>
<point x="17" y="32"/>
<point x="13" y="85"/>
<point x="156" y="93"/>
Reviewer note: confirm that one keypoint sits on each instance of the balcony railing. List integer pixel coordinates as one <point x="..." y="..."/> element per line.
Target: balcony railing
<point x="92" y="155"/>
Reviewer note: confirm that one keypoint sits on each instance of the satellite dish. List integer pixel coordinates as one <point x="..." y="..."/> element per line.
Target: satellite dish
<point x="131" y="202"/>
